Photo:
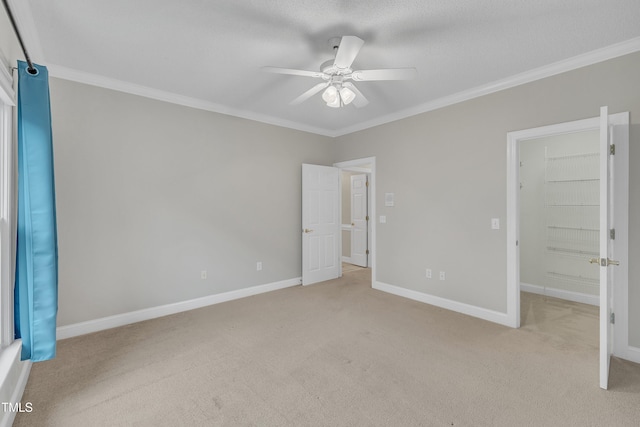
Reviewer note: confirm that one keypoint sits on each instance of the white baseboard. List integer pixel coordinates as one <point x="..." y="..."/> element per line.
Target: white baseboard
<point x="109" y="322"/>
<point x="470" y="310"/>
<point x="559" y="293"/>
<point x="13" y="379"/>
<point x="346" y="259"/>
<point x="633" y="354"/>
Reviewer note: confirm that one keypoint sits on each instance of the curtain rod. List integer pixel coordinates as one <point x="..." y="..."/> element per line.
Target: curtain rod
<point x="30" y="67"/>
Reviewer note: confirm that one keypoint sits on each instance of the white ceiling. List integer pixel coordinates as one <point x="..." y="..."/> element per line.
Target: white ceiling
<point x="209" y="53"/>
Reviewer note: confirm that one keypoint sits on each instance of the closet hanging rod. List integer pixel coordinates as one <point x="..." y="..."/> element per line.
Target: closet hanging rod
<point x="30" y="68"/>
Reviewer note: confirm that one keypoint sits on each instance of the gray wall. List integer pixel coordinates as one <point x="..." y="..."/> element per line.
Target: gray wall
<point x="150" y="193"/>
<point x="448" y="168"/>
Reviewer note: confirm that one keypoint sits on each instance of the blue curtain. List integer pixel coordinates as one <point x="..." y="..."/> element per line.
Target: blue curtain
<point x="36" y="287"/>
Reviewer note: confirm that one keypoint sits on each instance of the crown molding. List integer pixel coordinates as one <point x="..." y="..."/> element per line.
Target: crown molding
<point x="569" y="64"/>
<point x="579" y="61"/>
<point x="160" y="95"/>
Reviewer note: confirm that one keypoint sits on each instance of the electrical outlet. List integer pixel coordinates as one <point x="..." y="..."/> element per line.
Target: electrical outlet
<point x="383" y="219"/>
<point x="442" y="275"/>
<point x="203" y="274"/>
<point x="429" y="273"/>
<point x="259" y="266"/>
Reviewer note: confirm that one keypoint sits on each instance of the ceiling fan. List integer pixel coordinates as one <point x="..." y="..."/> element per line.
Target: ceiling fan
<point x="338" y="75"/>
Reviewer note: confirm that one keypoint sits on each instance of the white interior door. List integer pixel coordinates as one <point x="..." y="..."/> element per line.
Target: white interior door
<point x="320" y="223"/>
<point x="359" y="219"/>
<point x="606" y="248"/>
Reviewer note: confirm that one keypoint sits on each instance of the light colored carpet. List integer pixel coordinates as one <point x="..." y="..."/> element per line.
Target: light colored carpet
<point x="335" y="354"/>
<point x="348" y="268"/>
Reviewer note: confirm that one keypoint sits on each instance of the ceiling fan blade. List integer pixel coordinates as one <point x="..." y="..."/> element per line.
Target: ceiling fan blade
<point x="359" y="101"/>
<point x="305" y="73"/>
<point x="384" y="74"/>
<point x="308" y="94"/>
<point x="347" y="51"/>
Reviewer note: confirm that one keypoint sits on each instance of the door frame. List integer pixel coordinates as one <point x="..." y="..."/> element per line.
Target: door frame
<point x="364" y="165"/>
<point x="620" y="126"/>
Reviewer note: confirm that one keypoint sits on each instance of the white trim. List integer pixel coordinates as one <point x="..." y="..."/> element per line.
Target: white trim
<point x="109" y="322"/>
<point x="357" y="169"/>
<point x="559" y="293"/>
<point x="7" y="94"/>
<point x="160" y="95"/>
<point x="632" y="354"/>
<point x="7" y="225"/>
<point x="14" y="375"/>
<point x="470" y="310"/>
<point x="513" y="230"/>
<point x="569" y="64"/>
<point x="347" y="259"/>
<point x="620" y="221"/>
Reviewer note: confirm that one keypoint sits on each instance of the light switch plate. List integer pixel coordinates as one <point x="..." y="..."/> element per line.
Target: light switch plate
<point x="389" y="199"/>
<point x="495" y="223"/>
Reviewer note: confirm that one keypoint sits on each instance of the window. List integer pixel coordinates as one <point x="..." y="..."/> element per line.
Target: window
<point x="7" y="206"/>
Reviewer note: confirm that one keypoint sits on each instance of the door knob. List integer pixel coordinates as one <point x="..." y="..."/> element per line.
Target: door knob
<point x="306" y="230"/>
<point x="604" y="262"/>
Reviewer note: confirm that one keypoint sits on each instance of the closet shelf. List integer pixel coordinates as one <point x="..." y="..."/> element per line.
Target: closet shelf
<point x="561" y="227"/>
<point x="576" y="252"/>
<point x="572" y="156"/>
<point x="556" y="181"/>
<point x="548" y="205"/>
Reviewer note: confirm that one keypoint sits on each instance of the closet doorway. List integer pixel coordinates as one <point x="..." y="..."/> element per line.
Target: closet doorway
<point x="559" y="216"/>
<point x="559" y="233"/>
<point x="567" y="233"/>
<point x="355" y="218"/>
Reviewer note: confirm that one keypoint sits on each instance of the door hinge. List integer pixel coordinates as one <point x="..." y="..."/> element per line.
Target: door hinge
<point x="367" y="217"/>
<point x="613" y="318"/>
<point x="612" y="149"/>
<point x="367" y="183"/>
<point x="367" y="251"/>
<point x="612" y="234"/>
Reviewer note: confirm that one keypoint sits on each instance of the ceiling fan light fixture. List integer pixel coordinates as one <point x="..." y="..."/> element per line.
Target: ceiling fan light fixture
<point x="330" y="95"/>
<point x="347" y="95"/>
<point x="335" y="103"/>
<point x="337" y="73"/>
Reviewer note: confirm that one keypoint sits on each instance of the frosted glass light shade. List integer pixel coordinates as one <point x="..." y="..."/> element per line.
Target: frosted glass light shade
<point x="335" y="103"/>
<point x="347" y="95"/>
<point x="330" y="94"/>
